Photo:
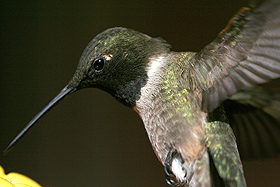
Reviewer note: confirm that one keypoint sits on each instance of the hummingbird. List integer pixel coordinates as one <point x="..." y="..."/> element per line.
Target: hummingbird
<point x="186" y="100"/>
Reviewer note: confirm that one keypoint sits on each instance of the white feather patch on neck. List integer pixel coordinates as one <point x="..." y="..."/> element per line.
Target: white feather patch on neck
<point x="154" y="71"/>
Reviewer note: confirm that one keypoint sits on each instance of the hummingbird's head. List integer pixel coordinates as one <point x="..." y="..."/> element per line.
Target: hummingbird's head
<point x="115" y="61"/>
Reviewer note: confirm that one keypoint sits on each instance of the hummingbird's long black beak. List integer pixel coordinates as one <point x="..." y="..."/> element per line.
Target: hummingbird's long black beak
<point x="64" y="92"/>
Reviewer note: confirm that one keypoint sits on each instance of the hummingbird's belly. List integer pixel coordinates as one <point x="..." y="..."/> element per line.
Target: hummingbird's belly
<point x="185" y="134"/>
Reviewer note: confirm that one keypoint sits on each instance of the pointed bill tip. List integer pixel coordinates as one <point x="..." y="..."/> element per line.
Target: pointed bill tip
<point x="10" y="146"/>
<point x="64" y="92"/>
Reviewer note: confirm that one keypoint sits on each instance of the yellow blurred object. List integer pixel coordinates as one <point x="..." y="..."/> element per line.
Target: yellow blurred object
<point x="16" y="180"/>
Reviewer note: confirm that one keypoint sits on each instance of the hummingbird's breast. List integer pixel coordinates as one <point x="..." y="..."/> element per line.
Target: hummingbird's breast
<point x="170" y="110"/>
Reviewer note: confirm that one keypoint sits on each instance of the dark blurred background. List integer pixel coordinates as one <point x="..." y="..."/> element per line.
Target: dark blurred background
<point x="89" y="139"/>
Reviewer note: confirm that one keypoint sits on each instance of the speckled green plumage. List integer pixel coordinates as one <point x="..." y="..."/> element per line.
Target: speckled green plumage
<point x="221" y="143"/>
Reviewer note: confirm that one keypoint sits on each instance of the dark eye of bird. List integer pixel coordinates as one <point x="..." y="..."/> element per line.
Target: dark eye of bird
<point x="98" y="63"/>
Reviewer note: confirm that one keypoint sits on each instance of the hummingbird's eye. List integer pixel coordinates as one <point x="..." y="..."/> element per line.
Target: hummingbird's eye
<point x="98" y="63"/>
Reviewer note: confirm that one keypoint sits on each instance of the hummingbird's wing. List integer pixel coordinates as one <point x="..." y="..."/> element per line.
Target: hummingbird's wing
<point x="246" y="53"/>
<point x="255" y="119"/>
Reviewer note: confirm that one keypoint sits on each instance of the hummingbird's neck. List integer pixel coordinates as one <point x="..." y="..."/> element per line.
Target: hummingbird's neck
<point x="134" y="84"/>
<point x="159" y="70"/>
<point x="155" y="69"/>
